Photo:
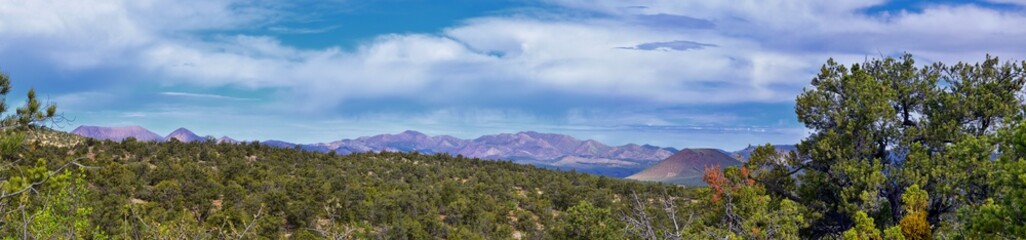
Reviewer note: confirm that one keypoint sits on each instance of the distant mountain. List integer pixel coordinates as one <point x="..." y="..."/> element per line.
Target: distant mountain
<point x="228" y="140"/>
<point x="540" y="149"/>
<point x="183" y="135"/>
<point x="139" y="133"/>
<point x="407" y="141"/>
<point x="511" y="146"/>
<point x="116" y="133"/>
<point x="277" y="143"/>
<point x="686" y="167"/>
<point x="746" y="153"/>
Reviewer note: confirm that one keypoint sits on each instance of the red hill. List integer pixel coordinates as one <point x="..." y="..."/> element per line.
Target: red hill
<point x="686" y="167"/>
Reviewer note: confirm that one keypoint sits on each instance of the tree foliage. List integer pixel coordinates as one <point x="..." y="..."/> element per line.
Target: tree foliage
<point x="206" y="190"/>
<point x="32" y="115"/>
<point x="585" y="221"/>
<point x="914" y="225"/>
<point x="903" y="145"/>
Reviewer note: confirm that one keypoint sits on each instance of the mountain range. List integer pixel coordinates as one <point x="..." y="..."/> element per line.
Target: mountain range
<point x="554" y="151"/>
<point x="542" y="149"/>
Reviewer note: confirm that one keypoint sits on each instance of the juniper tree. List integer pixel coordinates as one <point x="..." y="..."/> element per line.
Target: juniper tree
<point x="881" y="126"/>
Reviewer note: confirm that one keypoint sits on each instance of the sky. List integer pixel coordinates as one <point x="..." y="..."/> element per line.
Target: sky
<point x="671" y="73"/>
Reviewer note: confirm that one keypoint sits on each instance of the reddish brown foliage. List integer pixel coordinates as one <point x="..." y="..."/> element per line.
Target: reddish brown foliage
<point x="745" y="175"/>
<point x="714" y="177"/>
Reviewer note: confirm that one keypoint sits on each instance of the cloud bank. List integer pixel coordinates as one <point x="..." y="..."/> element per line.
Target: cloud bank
<point x="579" y="52"/>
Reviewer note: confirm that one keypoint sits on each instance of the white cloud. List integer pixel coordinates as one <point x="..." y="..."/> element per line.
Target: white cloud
<point x="204" y="96"/>
<point x="96" y="33"/>
<point x="290" y="30"/>
<point x="765" y="50"/>
<point x="1017" y="2"/>
<point x="586" y="56"/>
<point x="82" y="100"/>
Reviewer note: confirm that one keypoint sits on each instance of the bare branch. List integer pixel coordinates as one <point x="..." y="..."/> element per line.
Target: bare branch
<point x="31" y="186"/>
<point x="639" y="219"/>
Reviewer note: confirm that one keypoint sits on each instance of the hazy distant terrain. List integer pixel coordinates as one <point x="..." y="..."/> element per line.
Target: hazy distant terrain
<point x="553" y="151"/>
<point x="117" y="133"/>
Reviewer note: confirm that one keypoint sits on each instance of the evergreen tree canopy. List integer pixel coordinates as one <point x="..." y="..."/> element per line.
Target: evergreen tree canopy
<point x="885" y="125"/>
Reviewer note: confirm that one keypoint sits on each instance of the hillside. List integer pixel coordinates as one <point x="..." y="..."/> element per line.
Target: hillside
<point x="686" y="167"/>
<point x="205" y="189"/>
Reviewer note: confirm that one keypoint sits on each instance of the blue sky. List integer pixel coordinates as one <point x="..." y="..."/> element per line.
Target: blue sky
<point x="669" y="73"/>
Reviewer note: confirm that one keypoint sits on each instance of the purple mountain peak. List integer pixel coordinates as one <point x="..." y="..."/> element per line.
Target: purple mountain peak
<point x="226" y="139"/>
<point x="116" y="133"/>
<point x="183" y="135"/>
<point x="412" y="134"/>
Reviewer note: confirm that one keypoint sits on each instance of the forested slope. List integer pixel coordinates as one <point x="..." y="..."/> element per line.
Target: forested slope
<point x="202" y="189"/>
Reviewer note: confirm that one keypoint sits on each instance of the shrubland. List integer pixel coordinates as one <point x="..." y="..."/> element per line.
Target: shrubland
<point x="895" y="151"/>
